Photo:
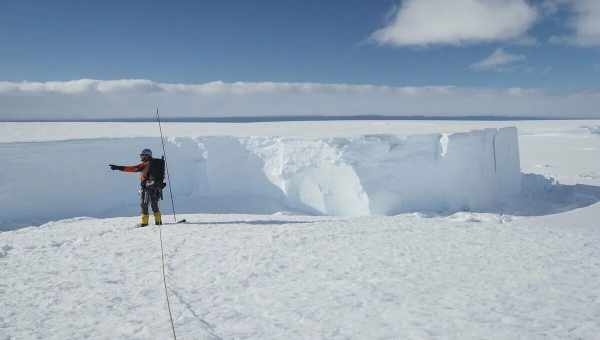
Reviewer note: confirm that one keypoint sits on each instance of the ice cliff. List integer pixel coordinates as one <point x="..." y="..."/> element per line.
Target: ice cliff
<point x="366" y="175"/>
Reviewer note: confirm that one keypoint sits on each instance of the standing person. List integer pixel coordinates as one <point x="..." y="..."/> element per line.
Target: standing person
<point x="151" y="182"/>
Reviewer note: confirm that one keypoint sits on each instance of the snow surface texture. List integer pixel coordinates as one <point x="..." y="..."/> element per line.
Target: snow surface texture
<point x="465" y="276"/>
<point x="342" y="176"/>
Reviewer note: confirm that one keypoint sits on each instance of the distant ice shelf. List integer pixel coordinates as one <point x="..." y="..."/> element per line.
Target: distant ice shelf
<point x="353" y="176"/>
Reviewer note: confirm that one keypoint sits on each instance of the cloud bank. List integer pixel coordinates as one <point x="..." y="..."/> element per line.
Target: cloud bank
<point x="457" y="22"/>
<point x="144" y="86"/>
<point x="137" y="98"/>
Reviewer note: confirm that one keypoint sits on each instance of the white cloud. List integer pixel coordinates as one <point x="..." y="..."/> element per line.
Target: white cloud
<point x="80" y="86"/>
<point x="143" y="86"/>
<point x="497" y="61"/>
<point x="128" y="98"/>
<point x="456" y="22"/>
<point x="586" y="23"/>
<point x="550" y="7"/>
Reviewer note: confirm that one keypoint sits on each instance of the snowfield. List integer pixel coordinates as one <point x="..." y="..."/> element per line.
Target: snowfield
<point x="526" y="265"/>
<point x="466" y="276"/>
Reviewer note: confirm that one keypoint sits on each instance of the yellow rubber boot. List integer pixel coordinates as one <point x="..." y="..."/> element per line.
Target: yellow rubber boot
<point x="157" y="218"/>
<point x="145" y="218"/>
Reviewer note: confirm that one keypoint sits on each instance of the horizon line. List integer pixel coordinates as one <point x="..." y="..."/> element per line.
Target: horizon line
<point x="292" y="118"/>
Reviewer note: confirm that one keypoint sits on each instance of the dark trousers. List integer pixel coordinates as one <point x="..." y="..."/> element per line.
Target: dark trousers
<point x="149" y="196"/>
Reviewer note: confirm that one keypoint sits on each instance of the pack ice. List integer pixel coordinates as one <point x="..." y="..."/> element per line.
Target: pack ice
<point x="350" y="176"/>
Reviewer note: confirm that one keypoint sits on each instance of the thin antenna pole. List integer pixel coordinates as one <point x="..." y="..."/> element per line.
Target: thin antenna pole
<point x="162" y="140"/>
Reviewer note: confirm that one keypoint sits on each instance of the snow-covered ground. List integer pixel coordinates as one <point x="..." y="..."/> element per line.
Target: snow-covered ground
<point x="35" y="132"/>
<point x="532" y="271"/>
<point x="466" y="276"/>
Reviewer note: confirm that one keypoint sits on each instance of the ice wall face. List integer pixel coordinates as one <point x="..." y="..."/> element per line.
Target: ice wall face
<point x="378" y="174"/>
<point x="384" y="174"/>
<point x="387" y="175"/>
<point x="480" y="169"/>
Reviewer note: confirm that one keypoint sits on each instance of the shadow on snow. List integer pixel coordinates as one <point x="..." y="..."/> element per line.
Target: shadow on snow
<point x="541" y="195"/>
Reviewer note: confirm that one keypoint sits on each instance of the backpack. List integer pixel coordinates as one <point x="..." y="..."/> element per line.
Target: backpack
<point x="157" y="171"/>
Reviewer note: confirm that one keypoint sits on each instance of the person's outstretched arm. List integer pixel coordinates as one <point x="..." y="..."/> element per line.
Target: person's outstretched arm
<point x="128" y="168"/>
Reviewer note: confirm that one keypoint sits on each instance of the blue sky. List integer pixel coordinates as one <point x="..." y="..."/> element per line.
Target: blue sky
<point x="475" y="45"/>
